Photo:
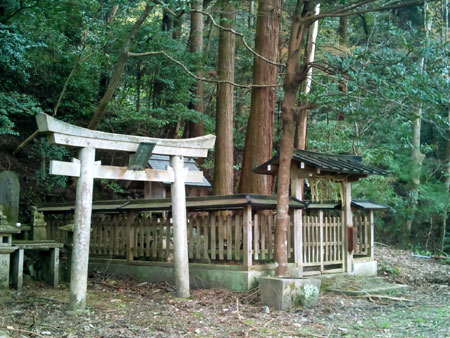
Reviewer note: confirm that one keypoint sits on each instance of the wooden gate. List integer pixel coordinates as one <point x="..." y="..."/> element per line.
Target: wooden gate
<point x="323" y="242"/>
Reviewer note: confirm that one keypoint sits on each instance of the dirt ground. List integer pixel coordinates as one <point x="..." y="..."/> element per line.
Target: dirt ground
<point x="123" y="307"/>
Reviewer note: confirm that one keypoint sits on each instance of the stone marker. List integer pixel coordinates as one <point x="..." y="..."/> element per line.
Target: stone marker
<point x="9" y="195"/>
<point x="283" y="293"/>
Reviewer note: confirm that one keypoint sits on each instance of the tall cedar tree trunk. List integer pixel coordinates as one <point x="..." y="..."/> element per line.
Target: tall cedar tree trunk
<point x="197" y="128"/>
<point x="259" y="137"/>
<point x="118" y="69"/>
<point x="301" y="131"/>
<point x="223" y="168"/>
<point x="447" y="187"/>
<point x="295" y="75"/>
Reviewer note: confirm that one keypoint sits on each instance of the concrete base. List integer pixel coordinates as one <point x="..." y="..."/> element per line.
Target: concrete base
<point x="284" y="293"/>
<point x="365" y="268"/>
<point x="231" y="277"/>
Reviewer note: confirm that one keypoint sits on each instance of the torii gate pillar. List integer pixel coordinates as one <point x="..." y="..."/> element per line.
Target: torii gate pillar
<point x="82" y="232"/>
<point x="181" y="259"/>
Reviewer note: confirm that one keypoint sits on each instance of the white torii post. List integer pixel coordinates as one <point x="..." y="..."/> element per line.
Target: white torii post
<point x="181" y="259"/>
<point x="81" y="235"/>
<point x="86" y="169"/>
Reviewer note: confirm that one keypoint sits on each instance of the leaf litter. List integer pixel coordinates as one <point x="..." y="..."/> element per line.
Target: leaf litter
<point x="119" y="306"/>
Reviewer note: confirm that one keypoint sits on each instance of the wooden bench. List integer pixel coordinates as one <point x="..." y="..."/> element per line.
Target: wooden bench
<point x="18" y="260"/>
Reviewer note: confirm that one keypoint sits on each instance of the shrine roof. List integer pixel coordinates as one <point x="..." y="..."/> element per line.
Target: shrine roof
<point x="329" y="163"/>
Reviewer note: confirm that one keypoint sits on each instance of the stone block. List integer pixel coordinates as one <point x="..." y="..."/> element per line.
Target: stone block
<point x="366" y="269"/>
<point x="283" y="293"/>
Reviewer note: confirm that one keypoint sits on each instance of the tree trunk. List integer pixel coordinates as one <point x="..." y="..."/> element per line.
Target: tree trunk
<point x="118" y="69"/>
<point x="104" y="73"/>
<point x="223" y="168"/>
<point x="259" y="137"/>
<point x="342" y="31"/>
<point x="138" y="85"/>
<point x="295" y="75"/>
<point x="197" y="128"/>
<point x="447" y="187"/>
<point x="415" y="169"/>
<point x="302" y="120"/>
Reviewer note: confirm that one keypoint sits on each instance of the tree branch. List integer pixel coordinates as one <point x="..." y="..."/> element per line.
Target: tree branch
<point x="347" y="12"/>
<point x="241" y="35"/>
<point x="186" y="69"/>
<point x="21" y="8"/>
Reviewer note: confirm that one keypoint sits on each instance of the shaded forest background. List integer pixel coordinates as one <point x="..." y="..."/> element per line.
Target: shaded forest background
<point x="380" y="90"/>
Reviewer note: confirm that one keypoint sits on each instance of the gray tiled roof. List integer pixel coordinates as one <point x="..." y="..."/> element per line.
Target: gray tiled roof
<point x="341" y="164"/>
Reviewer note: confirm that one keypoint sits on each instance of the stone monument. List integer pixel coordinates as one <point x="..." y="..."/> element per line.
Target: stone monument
<point x="9" y="195"/>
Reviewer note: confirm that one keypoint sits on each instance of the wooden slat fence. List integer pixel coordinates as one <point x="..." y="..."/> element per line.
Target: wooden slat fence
<point x="322" y="240"/>
<point x="363" y="224"/>
<point x="212" y="236"/>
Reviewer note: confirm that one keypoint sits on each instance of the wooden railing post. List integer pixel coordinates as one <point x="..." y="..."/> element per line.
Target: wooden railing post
<point x="131" y="236"/>
<point x="348" y="223"/>
<point x="247" y="227"/>
<point x="322" y="244"/>
<point x="372" y="236"/>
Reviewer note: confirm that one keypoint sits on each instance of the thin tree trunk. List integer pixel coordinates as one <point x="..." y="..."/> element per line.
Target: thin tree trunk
<point x="295" y="75"/>
<point x="197" y="128"/>
<point x="342" y="31"/>
<point x="118" y="69"/>
<point x="259" y="137"/>
<point x="223" y="168"/>
<point x="447" y="187"/>
<point x="302" y="120"/>
<point x="138" y="85"/>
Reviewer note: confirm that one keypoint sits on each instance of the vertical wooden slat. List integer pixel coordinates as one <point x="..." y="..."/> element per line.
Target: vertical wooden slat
<point x="191" y="238"/>
<point x="247" y="235"/>
<point x="336" y="221"/>
<point x="198" y="238"/>
<point x="263" y="221"/>
<point x="213" y="235"/>
<point x="321" y="241"/>
<point x="221" y="235"/>
<point x="130" y="236"/>
<point x="237" y="235"/>
<point x="256" y="236"/>
<point x="154" y="241"/>
<point x="229" y="238"/>
<point x="269" y="235"/>
<point x="343" y="237"/>
<point x="160" y="240"/>
<point x="205" y="226"/>
<point x="289" y="236"/>
<point x="166" y="223"/>
<point x="371" y="236"/>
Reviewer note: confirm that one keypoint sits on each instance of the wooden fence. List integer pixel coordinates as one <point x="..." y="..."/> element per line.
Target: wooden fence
<point x="217" y="237"/>
<point x="323" y="241"/>
<point x="364" y="224"/>
<point x="212" y="236"/>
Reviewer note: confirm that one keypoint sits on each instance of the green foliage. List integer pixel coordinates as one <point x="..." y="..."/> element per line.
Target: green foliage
<point x="15" y="107"/>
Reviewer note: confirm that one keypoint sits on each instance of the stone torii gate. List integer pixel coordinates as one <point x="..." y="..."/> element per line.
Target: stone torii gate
<point x="86" y="169"/>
